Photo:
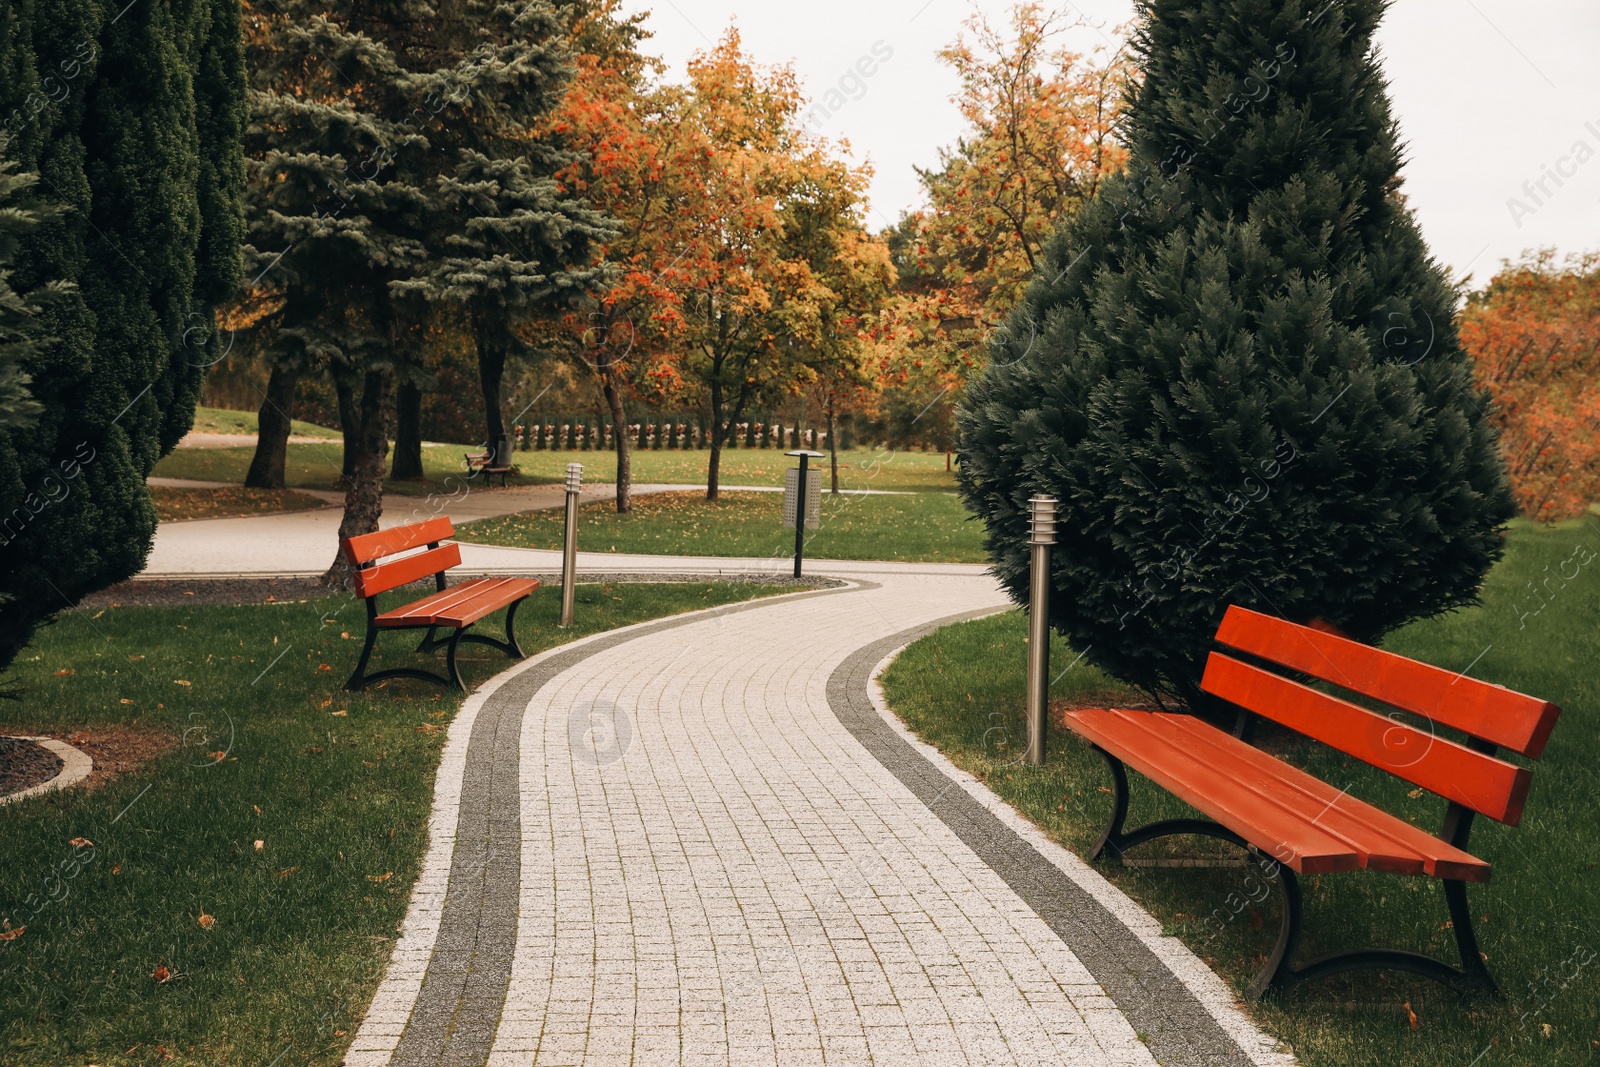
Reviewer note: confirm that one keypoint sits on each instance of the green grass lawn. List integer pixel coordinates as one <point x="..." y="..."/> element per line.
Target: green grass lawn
<point x="316" y="466"/>
<point x="222" y="420"/>
<point x="962" y="690"/>
<point x="289" y="812"/>
<point x="925" y="527"/>
<point x="860" y="468"/>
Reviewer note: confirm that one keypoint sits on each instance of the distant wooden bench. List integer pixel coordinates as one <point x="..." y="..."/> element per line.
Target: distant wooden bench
<point x="483" y="463"/>
<point x="454" y="607"/>
<point x="1296" y="823"/>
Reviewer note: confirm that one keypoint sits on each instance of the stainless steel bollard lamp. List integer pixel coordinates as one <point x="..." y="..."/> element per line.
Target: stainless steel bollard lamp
<point x="569" y="547"/>
<point x="1042" y="534"/>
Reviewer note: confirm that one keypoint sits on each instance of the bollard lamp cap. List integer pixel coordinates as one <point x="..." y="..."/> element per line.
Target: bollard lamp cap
<point x="1042" y="520"/>
<point x="574" y="477"/>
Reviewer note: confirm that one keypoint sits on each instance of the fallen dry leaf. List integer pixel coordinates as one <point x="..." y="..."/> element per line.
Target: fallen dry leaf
<point x="135" y="659"/>
<point x="125" y="700"/>
<point x="216" y="756"/>
<point x="428" y="727"/>
<point x="207" y="921"/>
<point x="1414" y="794"/>
<point x="97" y="614"/>
<point x="81" y="842"/>
<point x="9" y="934"/>
<point x="325" y="703"/>
<point x="384" y="877"/>
<point x="63" y="674"/>
<point x="116" y="868"/>
<point x="257" y="807"/>
<point x="1411" y="1015"/>
<point x="323" y="667"/>
<point x="339" y="713"/>
<point x="286" y="872"/>
<point x="260" y="844"/>
<point x="161" y="974"/>
<point x="183" y="681"/>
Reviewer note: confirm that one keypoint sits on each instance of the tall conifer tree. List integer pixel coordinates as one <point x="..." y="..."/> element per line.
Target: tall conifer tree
<point x="508" y="238"/>
<point x="394" y="166"/>
<point x="1238" y="369"/>
<point x="129" y="115"/>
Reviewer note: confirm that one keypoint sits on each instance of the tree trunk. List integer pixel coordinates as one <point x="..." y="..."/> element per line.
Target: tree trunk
<point x="407" y="433"/>
<point x="833" y="450"/>
<point x="717" y="435"/>
<point x="349" y="422"/>
<point x="623" y="444"/>
<point x="363" y="495"/>
<point x="491" y="369"/>
<point x="272" y="430"/>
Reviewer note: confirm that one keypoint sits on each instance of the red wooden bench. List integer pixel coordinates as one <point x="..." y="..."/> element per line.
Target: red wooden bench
<point x="455" y="607"/>
<point x="483" y="463"/>
<point x="1298" y="824"/>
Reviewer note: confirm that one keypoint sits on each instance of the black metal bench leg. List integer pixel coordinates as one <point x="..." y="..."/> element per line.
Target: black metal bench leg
<point x="513" y="649"/>
<point x="1111" y="836"/>
<point x="450" y="660"/>
<point x="1474" y="972"/>
<point x="358" y="680"/>
<point x="429" y="643"/>
<point x="1278" y="976"/>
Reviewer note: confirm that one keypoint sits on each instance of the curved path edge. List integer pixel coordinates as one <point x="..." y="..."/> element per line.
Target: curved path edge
<point x="443" y="992"/>
<point x="460" y="892"/>
<point x="1186" y="1012"/>
<point x="75" y="767"/>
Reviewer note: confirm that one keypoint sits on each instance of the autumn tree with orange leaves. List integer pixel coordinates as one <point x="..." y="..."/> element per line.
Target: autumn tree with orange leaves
<point x="1039" y="139"/>
<point x="1534" y="337"/>
<point x="743" y="267"/>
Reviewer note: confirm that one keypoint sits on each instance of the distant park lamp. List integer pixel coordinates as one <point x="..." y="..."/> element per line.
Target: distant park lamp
<point x="1042" y="534"/>
<point x="569" y="546"/>
<point x="802" y="502"/>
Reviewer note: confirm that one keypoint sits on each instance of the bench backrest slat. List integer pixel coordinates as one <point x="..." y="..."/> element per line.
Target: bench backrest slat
<point x="371" y="581"/>
<point x="364" y="548"/>
<point x="1502" y="716"/>
<point x="1478" y="781"/>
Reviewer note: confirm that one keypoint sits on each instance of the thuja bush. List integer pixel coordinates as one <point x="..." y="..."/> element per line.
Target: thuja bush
<point x="1238" y="369"/>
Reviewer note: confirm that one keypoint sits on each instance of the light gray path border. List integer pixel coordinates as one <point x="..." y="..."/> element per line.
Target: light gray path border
<point x="1098" y="927"/>
<point x="75" y="767"/>
<point x="458" y="1006"/>
<point x="463" y="991"/>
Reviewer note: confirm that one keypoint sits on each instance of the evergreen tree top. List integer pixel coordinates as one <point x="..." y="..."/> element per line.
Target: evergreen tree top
<point x="1238" y="367"/>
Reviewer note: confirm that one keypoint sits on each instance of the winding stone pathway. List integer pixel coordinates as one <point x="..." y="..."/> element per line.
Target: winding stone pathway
<point x="701" y="840"/>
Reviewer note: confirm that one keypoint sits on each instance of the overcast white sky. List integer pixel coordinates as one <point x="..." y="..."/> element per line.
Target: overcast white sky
<point x="1488" y="93"/>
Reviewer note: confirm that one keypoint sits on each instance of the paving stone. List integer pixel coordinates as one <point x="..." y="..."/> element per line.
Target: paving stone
<point x="723" y="860"/>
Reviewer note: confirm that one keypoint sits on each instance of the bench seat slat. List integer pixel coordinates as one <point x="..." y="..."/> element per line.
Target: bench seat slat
<point x="364" y="548"/>
<point x="1384" y="841"/>
<point x="1509" y="719"/>
<point x="429" y="607"/>
<point x="371" y="581"/>
<point x="1481" y="782"/>
<point x="460" y="605"/>
<point x="1284" y="836"/>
